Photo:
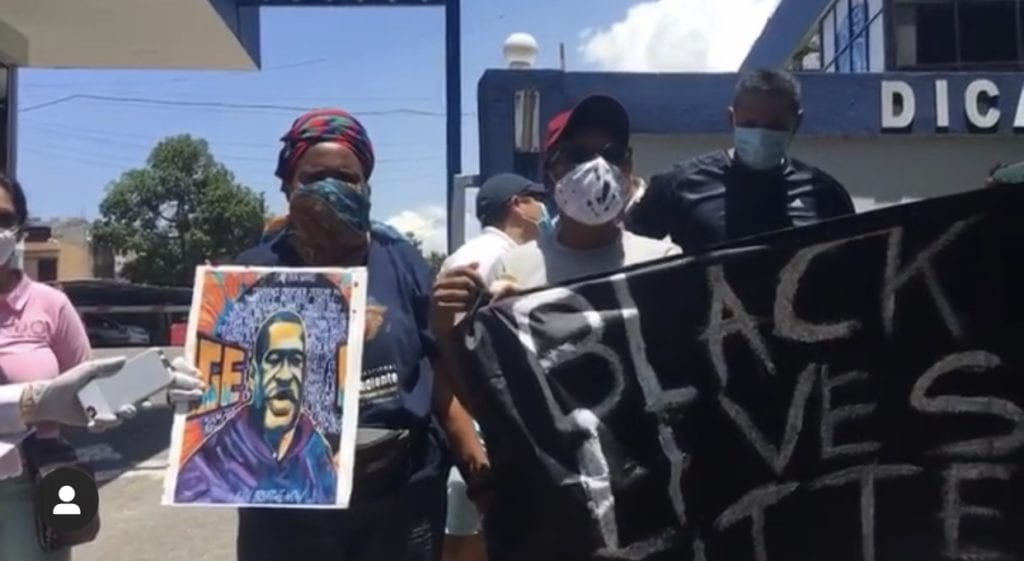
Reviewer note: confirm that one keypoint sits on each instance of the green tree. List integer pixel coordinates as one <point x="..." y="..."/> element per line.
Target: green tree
<point x="435" y="260"/>
<point x="178" y="211"/>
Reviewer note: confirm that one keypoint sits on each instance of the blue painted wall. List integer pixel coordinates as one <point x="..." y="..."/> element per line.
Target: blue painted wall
<point x="783" y="31"/>
<point x="673" y="104"/>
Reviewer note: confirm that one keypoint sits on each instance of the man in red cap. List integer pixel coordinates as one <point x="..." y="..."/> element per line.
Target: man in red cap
<point x="598" y="122"/>
<point x="588" y="167"/>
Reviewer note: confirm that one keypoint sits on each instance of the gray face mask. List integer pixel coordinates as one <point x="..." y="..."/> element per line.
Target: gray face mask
<point x="761" y="148"/>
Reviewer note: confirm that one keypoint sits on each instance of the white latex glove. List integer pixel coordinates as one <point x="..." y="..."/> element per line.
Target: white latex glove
<point x="186" y="387"/>
<point x="101" y="423"/>
<point x="57" y="399"/>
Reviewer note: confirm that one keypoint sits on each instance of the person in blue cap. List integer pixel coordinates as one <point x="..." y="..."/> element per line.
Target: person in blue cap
<point x="512" y="211"/>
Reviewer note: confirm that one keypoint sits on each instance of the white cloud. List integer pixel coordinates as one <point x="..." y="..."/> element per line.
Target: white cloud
<point x="426" y="224"/>
<point x="429" y="224"/>
<point x="473" y="228"/>
<point x="678" y="35"/>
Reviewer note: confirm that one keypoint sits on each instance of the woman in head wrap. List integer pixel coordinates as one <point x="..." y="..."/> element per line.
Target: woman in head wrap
<point x="397" y="511"/>
<point x="324" y="126"/>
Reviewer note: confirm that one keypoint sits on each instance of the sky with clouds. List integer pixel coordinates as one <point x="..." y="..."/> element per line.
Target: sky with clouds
<point x="677" y="35"/>
<point x="386" y="65"/>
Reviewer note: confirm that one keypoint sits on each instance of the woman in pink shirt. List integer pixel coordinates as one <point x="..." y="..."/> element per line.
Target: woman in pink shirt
<point x="41" y="336"/>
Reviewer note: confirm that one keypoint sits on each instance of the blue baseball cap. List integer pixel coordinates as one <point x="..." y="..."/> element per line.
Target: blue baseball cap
<point x="496" y="192"/>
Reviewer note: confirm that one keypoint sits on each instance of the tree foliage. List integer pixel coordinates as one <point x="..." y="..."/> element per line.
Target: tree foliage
<point x="179" y="210"/>
<point x="434" y="259"/>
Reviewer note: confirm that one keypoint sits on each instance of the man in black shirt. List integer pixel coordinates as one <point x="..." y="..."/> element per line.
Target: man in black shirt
<point x="749" y="189"/>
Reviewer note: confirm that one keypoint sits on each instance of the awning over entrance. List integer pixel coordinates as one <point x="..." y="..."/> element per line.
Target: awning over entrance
<point x="194" y="34"/>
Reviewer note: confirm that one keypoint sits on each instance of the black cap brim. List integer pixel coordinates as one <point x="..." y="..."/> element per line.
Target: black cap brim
<point x="497" y="191"/>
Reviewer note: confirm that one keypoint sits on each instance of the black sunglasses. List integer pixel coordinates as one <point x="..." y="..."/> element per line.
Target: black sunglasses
<point x="8" y="220"/>
<point x="577" y="154"/>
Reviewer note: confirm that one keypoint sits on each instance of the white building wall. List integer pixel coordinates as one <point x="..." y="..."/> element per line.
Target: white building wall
<point x="877" y="170"/>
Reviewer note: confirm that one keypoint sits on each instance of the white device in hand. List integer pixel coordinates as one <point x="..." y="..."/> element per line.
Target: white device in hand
<point x="142" y="376"/>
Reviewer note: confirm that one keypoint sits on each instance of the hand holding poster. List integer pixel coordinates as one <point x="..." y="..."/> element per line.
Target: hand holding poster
<point x="851" y="391"/>
<point x="280" y="352"/>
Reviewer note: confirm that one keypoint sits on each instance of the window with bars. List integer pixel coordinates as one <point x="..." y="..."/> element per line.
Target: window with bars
<point x="850" y="30"/>
<point x="959" y="34"/>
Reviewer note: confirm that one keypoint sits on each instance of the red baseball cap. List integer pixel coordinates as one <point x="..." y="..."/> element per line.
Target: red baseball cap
<point x="597" y="111"/>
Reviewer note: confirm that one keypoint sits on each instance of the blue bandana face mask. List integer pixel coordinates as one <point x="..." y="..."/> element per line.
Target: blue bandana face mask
<point x="333" y="199"/>
<point x="761" y="149"/>
<point x="330" y="220"/>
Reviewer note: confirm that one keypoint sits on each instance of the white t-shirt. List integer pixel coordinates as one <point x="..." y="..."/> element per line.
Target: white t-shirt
<point x="547" y="261"/>
<point x="484" y="249"/>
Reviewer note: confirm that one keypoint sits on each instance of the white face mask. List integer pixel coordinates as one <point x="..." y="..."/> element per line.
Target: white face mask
<point x="593" y="193"/>
<point x="8" y="243"/>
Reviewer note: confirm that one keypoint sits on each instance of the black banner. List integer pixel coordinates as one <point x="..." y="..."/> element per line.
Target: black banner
<point x="850" y="391"/>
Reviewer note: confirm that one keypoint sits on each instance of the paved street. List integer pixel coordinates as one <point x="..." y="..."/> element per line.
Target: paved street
<point x="130" y="463"/>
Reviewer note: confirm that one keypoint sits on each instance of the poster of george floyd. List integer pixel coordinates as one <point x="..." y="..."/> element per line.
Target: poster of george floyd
<point x="280" y="351"/>
<point x="850" y="391"/>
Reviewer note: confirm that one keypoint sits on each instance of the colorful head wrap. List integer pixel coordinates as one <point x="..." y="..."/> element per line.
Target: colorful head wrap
<point x="324" y="125"/>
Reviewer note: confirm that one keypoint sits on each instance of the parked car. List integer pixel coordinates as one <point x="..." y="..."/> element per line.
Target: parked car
<point x="105" y="332"/>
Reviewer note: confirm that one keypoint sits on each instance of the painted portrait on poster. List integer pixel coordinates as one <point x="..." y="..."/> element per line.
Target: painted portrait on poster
<point x="280" y="352"/>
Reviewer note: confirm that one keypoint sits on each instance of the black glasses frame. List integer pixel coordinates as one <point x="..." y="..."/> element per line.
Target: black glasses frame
<point x="613" y="153"/>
